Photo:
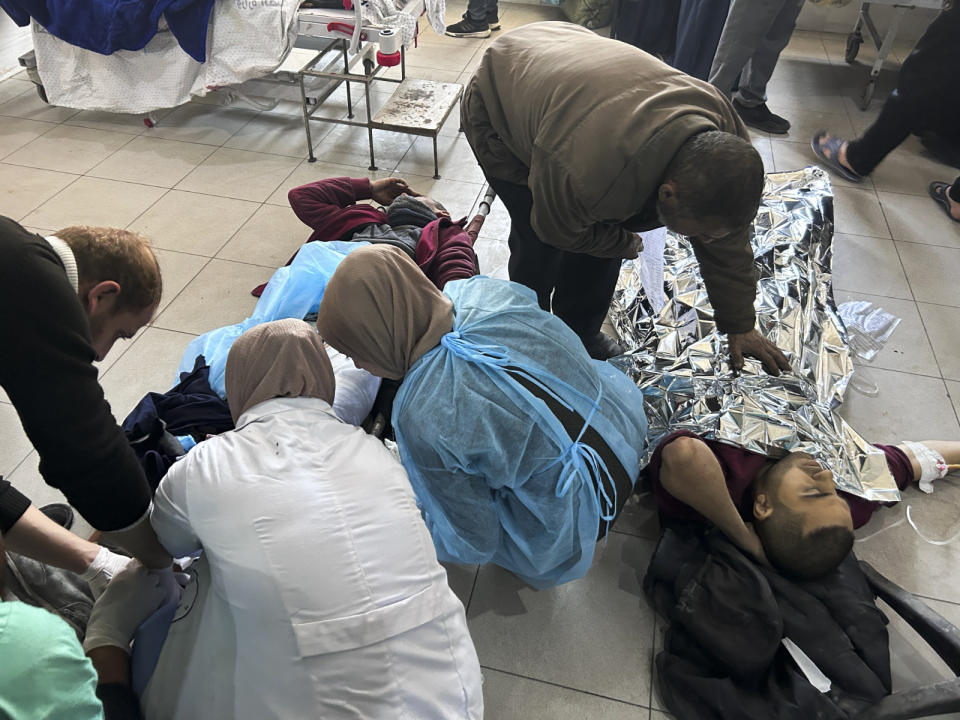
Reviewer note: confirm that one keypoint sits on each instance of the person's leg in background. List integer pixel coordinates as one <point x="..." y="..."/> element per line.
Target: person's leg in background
<point x="585" y="287"/>
<point x="700" y="24"/>
<point x="492" y="15"/>
<point x="752" y="90"/>
<point x="948" y="197"/>
<point x="858" y="158"/>
<point x="474" y="23"/>
<point x="650" y="25"/>
<point x="748" y="24"/>
<point x="532" y="263"/>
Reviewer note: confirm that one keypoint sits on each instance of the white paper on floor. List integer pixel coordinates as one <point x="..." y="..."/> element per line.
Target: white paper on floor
<point x="651" y="267"/>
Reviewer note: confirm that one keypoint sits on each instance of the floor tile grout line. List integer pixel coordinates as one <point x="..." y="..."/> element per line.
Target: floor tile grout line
<point x="129" y="346"/>
<point x="565" y="687"/>
<point x="179" y="293"/>
<point x="5" y="161"/>
<point x="473" y="589"/>
<point x="134" y="182"/>
<point x="926" y="332"/>
<point x="18" y="149"/>
<point x="653" y="657"/>
<point x="17" y="466"/>
<point x="23" y="218"/>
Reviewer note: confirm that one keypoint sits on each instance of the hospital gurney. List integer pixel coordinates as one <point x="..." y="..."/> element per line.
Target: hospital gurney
<point x="884" y="44"/>
<point x="262" y="54"/>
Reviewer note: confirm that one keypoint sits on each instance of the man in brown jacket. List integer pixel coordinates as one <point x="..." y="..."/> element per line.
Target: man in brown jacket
<point x="588" y="141"/>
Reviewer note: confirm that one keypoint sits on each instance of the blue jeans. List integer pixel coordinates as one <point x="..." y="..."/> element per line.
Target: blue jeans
<point x="480" y="10"/>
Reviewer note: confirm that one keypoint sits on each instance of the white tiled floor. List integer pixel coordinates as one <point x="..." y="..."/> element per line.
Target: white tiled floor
<point x="209" y="185"/>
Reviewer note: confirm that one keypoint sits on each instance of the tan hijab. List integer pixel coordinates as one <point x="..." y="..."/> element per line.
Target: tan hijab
<point x="284" y="358"/>
<point x="382" y="311"/>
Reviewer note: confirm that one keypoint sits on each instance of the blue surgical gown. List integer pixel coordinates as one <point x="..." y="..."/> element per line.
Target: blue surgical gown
<point x="497" y="476"/>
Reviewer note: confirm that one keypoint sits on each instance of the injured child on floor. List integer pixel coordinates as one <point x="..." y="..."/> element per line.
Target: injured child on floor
<point x="785" y="512"/>
<point x="337" y="209"/>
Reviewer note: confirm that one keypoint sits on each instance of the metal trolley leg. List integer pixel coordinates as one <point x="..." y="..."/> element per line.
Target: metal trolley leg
<point x="306" y="120"/>
<point x="366" y="92"/>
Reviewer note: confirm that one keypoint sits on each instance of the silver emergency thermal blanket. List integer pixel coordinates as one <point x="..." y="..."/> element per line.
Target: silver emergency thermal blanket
<point x="680" y="361"/>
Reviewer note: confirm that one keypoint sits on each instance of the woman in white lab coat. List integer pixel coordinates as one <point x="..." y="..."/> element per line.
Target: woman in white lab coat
<point x="323" y="595"/>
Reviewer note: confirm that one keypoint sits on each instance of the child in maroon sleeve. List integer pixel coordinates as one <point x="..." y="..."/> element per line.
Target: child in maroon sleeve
<point x="416" y="224"/>
<point x="786" y="512"/>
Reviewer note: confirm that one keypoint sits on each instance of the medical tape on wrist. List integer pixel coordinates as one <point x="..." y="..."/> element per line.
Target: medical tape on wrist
<point x="932" y="465"/>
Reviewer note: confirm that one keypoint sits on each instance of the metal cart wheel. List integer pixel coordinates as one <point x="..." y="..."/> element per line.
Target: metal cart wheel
<point x="854" y="41"/>
<point x="868" y="94"/>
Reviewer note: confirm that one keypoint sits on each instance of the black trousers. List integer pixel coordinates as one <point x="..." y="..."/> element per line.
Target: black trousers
<point x="578" y="288"/>
<point x="896" y="121"/>
<point x="954" y="190"/>
<point x="925" y="100"/>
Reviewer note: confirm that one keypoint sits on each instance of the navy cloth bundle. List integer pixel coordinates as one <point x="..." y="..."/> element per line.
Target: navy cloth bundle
<point x="191" y="407"/>
<point x="106" y="26"/>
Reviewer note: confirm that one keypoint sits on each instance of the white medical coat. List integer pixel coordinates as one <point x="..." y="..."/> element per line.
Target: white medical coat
<point x="325" y="598"/>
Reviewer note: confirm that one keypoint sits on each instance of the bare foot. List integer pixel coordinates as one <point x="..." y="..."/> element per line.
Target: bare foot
<point x="841" y="154"/>
<point x="954" y="207"/>
<point x="842" y="157"/>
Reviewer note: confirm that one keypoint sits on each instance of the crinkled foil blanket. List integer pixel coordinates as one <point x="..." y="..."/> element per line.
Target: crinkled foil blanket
<point x="679" y="359"/>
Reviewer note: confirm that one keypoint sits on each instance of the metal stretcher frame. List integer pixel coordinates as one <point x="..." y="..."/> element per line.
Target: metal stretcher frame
<point x="417" y="107"/>
<point x="331" y="32"/>
<point x="883" y="44"/>
<point x="939" y="634"/>
<point x="371" y="72"/>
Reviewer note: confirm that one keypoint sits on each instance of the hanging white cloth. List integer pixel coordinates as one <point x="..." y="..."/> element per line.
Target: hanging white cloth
<point x="245" y="40"/>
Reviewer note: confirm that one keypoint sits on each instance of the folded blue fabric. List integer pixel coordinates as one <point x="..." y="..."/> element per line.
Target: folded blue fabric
<point x="294" y="291"/>
<point x="106" y="26"/>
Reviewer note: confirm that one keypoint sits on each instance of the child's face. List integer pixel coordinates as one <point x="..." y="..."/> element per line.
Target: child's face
<point x="809" y="490"/>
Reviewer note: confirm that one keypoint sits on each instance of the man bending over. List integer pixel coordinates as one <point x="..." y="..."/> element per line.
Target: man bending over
<point x="787" y="512"/>
<point x="66" y="300"/>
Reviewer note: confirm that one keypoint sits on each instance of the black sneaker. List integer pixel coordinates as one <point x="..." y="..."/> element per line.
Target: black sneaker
<point x="601" y="346"/>
<point x="468" y="28"/>
<point x="61" y="514"/>
<point x="493" y="21"/>
<point x="761" y="118"/>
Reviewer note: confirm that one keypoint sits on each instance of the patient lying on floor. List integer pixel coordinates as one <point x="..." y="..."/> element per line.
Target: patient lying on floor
<point x="788" y="512"/>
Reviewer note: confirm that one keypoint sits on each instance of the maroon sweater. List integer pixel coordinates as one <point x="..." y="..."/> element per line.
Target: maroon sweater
<point x="332" y="208"/>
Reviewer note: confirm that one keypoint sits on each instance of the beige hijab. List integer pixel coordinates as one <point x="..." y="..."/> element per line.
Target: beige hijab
<point x="382" y="311"/>
<point x="284" y="358"/>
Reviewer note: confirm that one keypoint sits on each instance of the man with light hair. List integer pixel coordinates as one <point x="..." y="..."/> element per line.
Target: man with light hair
<point x="66" y="300"/>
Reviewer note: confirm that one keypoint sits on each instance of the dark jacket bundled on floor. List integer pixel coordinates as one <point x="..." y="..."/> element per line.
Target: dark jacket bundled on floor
<point x="723" y="657"/>
<point x="47" y="370"/>
<point x="190" y="407"/>
<point x="333" y="208"/>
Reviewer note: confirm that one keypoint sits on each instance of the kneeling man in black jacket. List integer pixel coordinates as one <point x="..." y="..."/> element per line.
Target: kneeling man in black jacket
<point x="66" y="299"/>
